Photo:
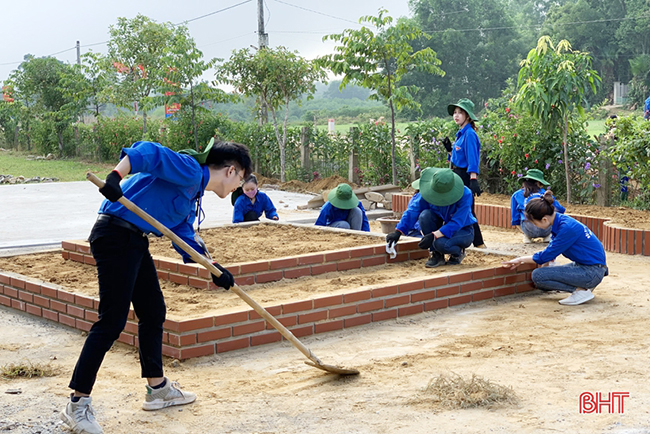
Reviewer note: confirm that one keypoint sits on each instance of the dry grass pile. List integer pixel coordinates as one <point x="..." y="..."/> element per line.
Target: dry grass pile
<point x="27" y="370"/>
<point x="453" y="392"/>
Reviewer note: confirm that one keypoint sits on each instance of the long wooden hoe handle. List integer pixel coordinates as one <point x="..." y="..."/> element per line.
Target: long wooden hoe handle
<point x="200" y="259"/>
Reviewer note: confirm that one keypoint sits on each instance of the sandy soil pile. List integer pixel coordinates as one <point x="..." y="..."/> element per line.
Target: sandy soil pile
<point x="316" y="186"/>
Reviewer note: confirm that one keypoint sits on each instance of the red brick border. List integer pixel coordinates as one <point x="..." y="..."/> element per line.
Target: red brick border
<point x="216" y="334"/>
<point x="614" y="238"/>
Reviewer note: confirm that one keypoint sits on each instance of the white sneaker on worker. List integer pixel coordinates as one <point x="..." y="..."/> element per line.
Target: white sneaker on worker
<point x="547" y="239"/>
<point x="168" y="395"/>
<point x="527" y="240"/>
<point x="80" y="417"/>
<point x="577" y="297"/>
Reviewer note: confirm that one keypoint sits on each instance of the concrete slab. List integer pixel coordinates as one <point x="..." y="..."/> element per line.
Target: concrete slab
<point x="42" y="215"/>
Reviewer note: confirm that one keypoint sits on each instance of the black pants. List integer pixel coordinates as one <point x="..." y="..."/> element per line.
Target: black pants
<point x="478" y="236"/>
<point x="126" y="275"/>
<point x="251" y="216"/>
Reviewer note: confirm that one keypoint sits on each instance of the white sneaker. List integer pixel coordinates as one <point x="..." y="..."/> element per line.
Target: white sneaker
<point x="167" y="396"/>
<point x="80" y="417"/>
<point x="577" y="297"/>
<point x="547" y="239"/>
<point x="527" y="240"/>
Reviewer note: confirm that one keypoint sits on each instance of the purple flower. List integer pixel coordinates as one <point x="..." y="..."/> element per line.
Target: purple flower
<point x="559" y="161"/>
<point x="587" y="166"/>
<point x="547" y="166"/>
<point x="525" y="168"/>
<point x="519" y="175"/>
<point x="596" y="185"/>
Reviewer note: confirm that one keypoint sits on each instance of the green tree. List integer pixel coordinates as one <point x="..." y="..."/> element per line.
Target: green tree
<point x="182" y="85"/>
<point x="553" y="82"/>
<point x="591" y="26"/>
<point x="87" y="84"/>
<point x="38" y="85"/>
<point x="378" y="61"/>
<point x="138" y="50"/>
<point x="275" y="77"/>
<point x="479" y="46"/>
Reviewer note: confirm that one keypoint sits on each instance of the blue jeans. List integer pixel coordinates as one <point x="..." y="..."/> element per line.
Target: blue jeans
<point x="429" y="222"/>
<point x="532" y="231"/>
<point x="354" y="220"/>
<point x="568" y="277"/>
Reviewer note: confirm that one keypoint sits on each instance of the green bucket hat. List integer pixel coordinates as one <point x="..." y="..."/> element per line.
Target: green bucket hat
<point x="201" y="157"/>
<point x="343" y="197"/>
<point x="416" y="184"/>
<point x="441" y="187"/>
<point x="535" y="175"/>
<point x="466" y="105"/>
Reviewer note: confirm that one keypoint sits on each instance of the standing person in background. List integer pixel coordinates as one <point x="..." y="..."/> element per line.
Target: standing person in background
<point x="251" y="203"/>
<point x="533" y="184"/>
<point x="343" y="210"/>
<point x="170" y="186"/>
<point x="465" y="154"/>
<point x="571" y="239"/>
<point x="646" y="109"/>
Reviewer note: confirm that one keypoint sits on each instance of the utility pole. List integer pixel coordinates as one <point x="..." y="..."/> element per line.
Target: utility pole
<point x="263" y="42"/>
<point x="78" y="53"/>
<point x="263" y="38"/>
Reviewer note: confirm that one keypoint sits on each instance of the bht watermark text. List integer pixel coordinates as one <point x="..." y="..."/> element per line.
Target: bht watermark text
<point x="613" y="402"/>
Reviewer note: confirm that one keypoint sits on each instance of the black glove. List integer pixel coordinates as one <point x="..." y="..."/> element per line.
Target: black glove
<point x="112" y="190"/>
<point x="225" y="280"/>
<point x="473" y="185"/>
<point x="426" y="241"/>
<point x="393" y="237"/>
<point x="447" y="144"/>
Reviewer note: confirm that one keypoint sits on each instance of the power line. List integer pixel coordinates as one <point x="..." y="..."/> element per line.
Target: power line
<point x="212" y="13"/>
<point x="105" y="42"/>
<point x="316" y="12"/>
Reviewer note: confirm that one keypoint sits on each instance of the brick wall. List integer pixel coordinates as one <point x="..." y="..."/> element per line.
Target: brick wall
<point x="311" y="264"/>
<point x="614" y="238"/>
<point x="216" y="334"/>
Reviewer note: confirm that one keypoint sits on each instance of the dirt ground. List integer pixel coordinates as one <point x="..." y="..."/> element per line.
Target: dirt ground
<point x="548" y="353"/>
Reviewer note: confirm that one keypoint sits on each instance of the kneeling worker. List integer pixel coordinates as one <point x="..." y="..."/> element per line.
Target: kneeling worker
<point x="444" y="213"/>
<point x="343" y="210"/>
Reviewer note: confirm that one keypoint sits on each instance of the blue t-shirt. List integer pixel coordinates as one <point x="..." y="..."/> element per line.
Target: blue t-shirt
<point x="166" y="185"/>
<point x="466" y="150"/>
<point x="455" y="216"/>
<point x="244" y="204"/>
<point x="330" y="214"/>
<point x="518" y="205"/>
<point x="575" y="241"/>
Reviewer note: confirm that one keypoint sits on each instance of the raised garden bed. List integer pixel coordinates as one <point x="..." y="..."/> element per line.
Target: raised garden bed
<point x="203" y="321"/>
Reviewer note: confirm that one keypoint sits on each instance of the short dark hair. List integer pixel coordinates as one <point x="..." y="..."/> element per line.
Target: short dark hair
<point x="538" y="208"/>
<point x="225" y="154"/>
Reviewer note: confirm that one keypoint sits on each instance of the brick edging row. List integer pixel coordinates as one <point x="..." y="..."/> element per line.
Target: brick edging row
<point x="614" y="238"/>
<point x="216" y="334"/>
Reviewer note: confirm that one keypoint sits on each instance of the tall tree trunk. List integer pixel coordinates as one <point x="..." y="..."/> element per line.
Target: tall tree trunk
<point x="144" y="123"/>
<point x="566" y="158"/>
<point x="279" y="139"/>
<point x="392" y="123"/>
<point x="196" y="138"/>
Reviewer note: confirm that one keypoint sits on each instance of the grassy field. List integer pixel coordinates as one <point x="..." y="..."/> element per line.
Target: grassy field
<point x="16" y="164"/>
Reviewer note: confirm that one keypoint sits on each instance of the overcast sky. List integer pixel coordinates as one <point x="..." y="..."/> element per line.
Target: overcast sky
<point x="52" y="27"/>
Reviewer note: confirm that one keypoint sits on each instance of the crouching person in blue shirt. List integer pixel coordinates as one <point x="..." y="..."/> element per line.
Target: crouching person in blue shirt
<point x="444" y="211"/>
<point x="533" y="184"/>
<point x="169" y="186"/>
<point x="572" y="239"/>
<point x="252" y="202"/>
<point x="343" y="210"/>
